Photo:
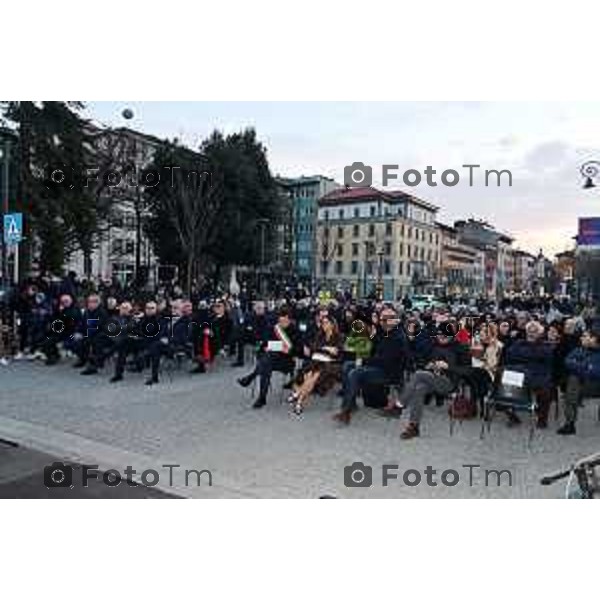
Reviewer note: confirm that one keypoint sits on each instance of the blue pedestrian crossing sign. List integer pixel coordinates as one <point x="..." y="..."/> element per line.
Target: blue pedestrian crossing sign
<point x="13" y="228"/>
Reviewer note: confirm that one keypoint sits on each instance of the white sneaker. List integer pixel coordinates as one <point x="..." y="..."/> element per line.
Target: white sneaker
<point x="4" y="362"/>
<point x="19" y="356"/>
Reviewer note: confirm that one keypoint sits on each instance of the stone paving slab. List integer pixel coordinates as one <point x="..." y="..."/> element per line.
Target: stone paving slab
<point x="205" y="422"/>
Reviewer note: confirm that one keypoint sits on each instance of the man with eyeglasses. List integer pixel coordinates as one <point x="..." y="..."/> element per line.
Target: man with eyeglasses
<point x="386" y="365"/>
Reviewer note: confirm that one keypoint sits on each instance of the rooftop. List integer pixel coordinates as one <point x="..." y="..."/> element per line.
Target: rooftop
<point x="302" y="179"/>
<point x="364" y="194"/>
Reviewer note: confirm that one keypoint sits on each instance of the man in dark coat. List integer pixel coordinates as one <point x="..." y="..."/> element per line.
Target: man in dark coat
<point x="386" y="364"/>
<point x="277" y="356"/>
<point x="439" y="376"/>
<point x="88" y="337"/>
<point x="533" y="357"/>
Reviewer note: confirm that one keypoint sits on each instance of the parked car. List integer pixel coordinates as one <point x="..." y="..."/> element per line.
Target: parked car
<point x="423" y="301"/>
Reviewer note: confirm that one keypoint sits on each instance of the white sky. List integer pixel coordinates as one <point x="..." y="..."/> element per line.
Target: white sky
<point x="543" y="144"/>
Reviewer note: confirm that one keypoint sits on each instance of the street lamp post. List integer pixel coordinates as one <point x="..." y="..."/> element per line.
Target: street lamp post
<point x="263" y="224"/>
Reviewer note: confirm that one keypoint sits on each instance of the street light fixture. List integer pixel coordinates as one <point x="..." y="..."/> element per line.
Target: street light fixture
<point x="590" y="170"/>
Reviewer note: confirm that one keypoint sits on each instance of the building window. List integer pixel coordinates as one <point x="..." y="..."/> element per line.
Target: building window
<point x="431" y="238"/>
<point x="402" y="230"/>
<point x="341" y="213"/>
<point x="422" y="253"/>
<point x="340" y="249"/>
<point x="409" y="233"/>
<point x="372" y="211"/>
<point x="388" y="248"/>
<point x="429" y="254"/>
<point x="408" y="269"/>
<point x="371" y="230"/>
<point x="356" y="230"/>
<point x="326" y="215"/>
<point x="400" y="268"/>
<point x="324" y="267"/>
<point x="370" y="267"/>
<point x="386" y="267"/>
<point x="356" y="213"/>
<point x="408" y="250"/>
<point x="354" y="249"/>
<point x="354" y="267"/>
<point x="326" y="232"/>
<point x="388" y="229"/>
<point x="339" y="267"/>
<point x="401" y="249"/>
<point x="340" y="232"/>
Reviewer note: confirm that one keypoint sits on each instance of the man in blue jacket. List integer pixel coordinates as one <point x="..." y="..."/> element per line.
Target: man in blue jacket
<point x="583" y="368"/>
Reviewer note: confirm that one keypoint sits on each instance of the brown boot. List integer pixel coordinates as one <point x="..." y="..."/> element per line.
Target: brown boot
<point x="344" y="416"/>
<point x="411" y="431"/>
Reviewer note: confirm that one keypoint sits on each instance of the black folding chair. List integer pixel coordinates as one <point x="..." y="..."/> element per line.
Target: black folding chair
<point x="513" y="394"/>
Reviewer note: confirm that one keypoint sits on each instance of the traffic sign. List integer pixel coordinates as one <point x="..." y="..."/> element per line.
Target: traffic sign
<point x="13" y="228"/>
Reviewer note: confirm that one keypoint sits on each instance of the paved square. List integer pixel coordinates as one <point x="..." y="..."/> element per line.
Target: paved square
<point x="205" y="422"/>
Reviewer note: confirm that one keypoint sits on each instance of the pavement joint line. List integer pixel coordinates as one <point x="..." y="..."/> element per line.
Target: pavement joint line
<point x="77" y="449"/>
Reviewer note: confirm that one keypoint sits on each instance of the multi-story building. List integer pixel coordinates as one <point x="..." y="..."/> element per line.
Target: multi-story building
<point x="564" y="266"/>
<point x="524" y="271"/>
<point x="506" y="265"/>
<point x="280" y="255"/>
<point x="371" y="241"/>
<point x="305" y="193"/>
<point x="497" y="247"/>
<point x="545" y="278"/>
<point x="123" y="237"/>
<point x="462" y="264"/>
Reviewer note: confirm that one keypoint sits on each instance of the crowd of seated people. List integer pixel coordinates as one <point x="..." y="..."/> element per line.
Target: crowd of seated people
<point x="361" y="350"/>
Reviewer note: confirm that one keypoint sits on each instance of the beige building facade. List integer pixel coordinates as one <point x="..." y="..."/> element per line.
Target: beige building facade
<point x="377" y="243"/>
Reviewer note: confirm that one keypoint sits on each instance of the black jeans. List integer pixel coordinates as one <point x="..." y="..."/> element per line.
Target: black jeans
<point x="265" y="365"/>
<point x="125" y="346"/>
<point x="355" y="379"/>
